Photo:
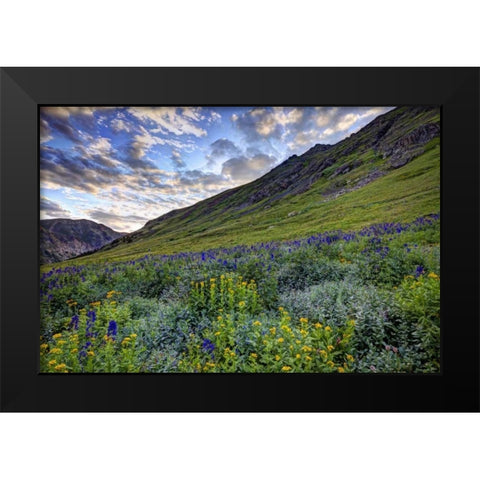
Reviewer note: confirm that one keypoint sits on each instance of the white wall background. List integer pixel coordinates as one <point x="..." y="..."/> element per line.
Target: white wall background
<point x="253" y="33"/>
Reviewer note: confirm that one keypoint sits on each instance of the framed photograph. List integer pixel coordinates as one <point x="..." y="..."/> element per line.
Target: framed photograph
<point x="239" y="239"/>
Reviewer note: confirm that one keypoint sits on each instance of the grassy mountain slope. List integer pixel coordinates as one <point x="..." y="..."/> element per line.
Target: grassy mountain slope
<point x="388" y="171"/>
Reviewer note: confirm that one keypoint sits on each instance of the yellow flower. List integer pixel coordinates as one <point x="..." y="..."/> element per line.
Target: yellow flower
<point x="253" y="355"/>
<point x="318" y="325"/>
<point x="61" y="342"/>
<point x="219" y="318"/>
<point x="277" y="357"/>
<point x="61" y="366"/>
<point x="90" y="353"/>
<point x="212" y="280"/>
<point x="328" y="329"/>
<point x="286" y="368"/>
<point x="133" y="335"/>
<point x="273" y="330"/>
<point x="306" y="348"/>
<point x="330" y="363"/>
<point x="341" y="370"/>
<point x="351" y="323"/>
<point x="241" y="304"/>
<point x="330" y="348"/>
<point x="256" y="323"/>
<point x="323" y="353"/>
<point x="55" y="350"/>
<point x="113" y="302"/>
<point x="57" y="335"/>
<point x="308" y="358"/>
<point x="95" y="304"/>
<point x="281" y="309"/>
<point x="217" y="334"/>
<point x="74" y="350"/>
<point x="43" y="346"/>
<point x="52" y="362"/>
<point x="349" y="358"/>
<point x="432" y="275"/>
<point x="280" y="340"/>
<point x="304" y="320"/>
<point x="303" y="332"/>
<point x="297" y="356"/>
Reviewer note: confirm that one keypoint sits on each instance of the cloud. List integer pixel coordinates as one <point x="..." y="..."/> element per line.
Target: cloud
<point x="179" y="121"/>
<point x="80" y="170"/>
<point x="221" y="149"/>
<point x="328" y="125"/>
<point x="51" y="209"/>
<point x="119" y="124"/>
<point x="243" y="169"/>
<point x="64" y="128"/>
<point x="45" y="131"/>
<point x="270" y="122"/>
<point x="71" y="122"/>
<point x="67" y="112"/>
<point x="304" y="139"/>
<point x="115" y="220"/>
<point x="214" y="117"/>
<point x="176" y="159"/>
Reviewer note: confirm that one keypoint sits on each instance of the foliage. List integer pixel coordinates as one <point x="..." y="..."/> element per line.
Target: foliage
<point x="371" y="294"/>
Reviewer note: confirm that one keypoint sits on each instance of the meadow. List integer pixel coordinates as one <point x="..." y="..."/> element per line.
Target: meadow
<point x="334" y="302"/>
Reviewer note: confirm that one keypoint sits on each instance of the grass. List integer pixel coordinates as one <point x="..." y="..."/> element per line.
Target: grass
<point x="363" y="302"/>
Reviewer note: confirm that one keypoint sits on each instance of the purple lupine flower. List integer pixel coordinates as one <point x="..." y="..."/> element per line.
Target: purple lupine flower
<point x="419" y="271"/>
<point x="92" y="316"/>
<point x="74" y="322"/>
<point x="208" y="346"/>
<point x="112" y="329"/>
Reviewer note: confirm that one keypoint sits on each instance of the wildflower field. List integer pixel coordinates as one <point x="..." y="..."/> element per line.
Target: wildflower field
<point x="336" y="302"/>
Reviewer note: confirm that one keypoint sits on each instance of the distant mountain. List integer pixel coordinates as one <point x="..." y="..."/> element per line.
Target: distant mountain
<point x="387" y="171"/>
<point x="61" y="238"/>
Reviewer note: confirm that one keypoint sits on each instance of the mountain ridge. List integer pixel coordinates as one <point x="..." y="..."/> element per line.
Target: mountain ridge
<point x="63" y="238"/>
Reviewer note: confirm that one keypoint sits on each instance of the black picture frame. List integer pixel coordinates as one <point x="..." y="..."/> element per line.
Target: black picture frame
<point x="456" y="388"/>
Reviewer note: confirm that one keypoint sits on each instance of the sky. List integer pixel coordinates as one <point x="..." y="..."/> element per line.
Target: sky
<point x="123" y="166"/>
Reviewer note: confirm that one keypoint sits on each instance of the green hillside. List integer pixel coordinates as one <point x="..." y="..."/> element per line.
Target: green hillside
<point x="388" y="171"/>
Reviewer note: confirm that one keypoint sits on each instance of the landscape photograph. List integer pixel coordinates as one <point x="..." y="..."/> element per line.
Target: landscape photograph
<point x="240" y="239"/>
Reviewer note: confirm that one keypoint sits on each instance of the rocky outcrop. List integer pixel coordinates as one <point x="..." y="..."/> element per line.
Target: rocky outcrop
<point x="411" y="145"/>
